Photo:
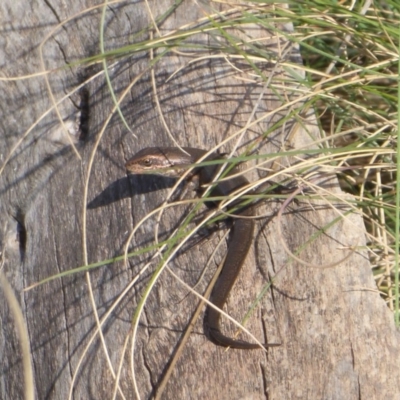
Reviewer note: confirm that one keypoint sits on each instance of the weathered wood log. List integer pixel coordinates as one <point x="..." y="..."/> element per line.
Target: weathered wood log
<point x="338" y="339"/>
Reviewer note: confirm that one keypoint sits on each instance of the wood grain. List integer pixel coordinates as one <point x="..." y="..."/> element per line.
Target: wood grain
<point x="338" y="337"/>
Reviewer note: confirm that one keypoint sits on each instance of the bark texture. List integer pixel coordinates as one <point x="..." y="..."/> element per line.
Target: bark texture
<point x="338" y="338"/>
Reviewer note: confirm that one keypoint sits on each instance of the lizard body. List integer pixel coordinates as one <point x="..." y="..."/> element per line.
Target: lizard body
<point x="172" y="162"/>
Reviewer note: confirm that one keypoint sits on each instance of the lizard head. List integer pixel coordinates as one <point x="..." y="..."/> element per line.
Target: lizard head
<point x="156" y="160"/>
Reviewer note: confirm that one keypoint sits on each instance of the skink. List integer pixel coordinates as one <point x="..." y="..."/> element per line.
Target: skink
<point x="172" y="162"/>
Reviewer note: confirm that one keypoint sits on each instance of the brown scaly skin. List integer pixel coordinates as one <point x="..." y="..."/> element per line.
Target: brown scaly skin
<point x="172" y="162"/>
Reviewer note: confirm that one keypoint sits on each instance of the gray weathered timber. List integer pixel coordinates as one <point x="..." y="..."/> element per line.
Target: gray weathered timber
<point x="338" y="338"/>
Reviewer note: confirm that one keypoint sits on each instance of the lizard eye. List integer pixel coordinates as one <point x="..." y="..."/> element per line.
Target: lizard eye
<point x="146" y="162"/>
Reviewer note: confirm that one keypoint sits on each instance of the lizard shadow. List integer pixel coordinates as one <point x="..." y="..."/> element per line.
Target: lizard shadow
<point x="134" y="185"/>
<point x="128" y="187"/>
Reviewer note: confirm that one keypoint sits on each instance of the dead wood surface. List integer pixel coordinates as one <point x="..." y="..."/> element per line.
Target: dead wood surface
<point x="338" y="338"/>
